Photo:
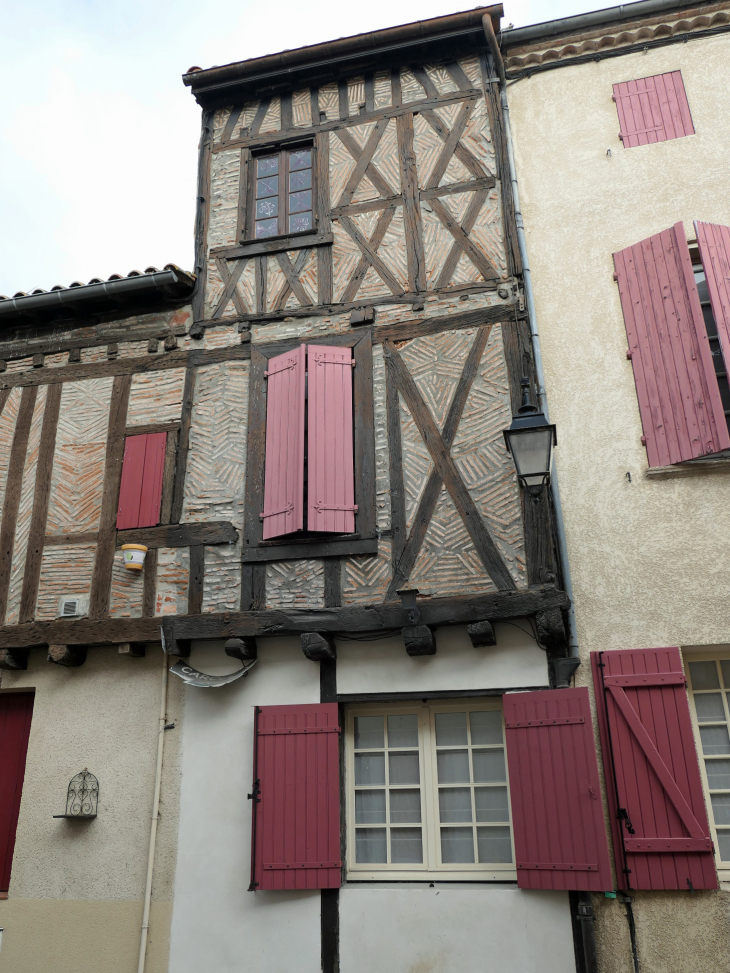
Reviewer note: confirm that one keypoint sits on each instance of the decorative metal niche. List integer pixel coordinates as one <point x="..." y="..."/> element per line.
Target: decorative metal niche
<point x="83" y="796"/>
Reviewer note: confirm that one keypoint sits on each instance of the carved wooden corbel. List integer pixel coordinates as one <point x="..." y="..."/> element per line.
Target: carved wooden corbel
<point x="481" y="634"/>
<point x="419" y="640"/>
<point x="244" y="649"/>
<point x="551" y="634"/>
<point x="318" y="648"/>
<point x="67" y="655"/>
<point x="14" y="659"/>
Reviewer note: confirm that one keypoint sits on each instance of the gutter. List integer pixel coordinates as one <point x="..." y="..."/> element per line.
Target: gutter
<point x="534" y="334"/>
<point x="169" y="283"/>
<point x="215" y="84"/>
<point x="597" y="18"/>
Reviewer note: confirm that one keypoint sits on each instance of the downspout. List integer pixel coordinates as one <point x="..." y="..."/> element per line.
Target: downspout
<point x="155" y="815"/>
<point x="532" y="317"/>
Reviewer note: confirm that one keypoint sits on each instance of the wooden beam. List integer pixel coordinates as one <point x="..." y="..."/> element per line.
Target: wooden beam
<point x="293" y="550"/>
<point x="149" y="589"/>
<point x="324" y="222"/>
<point x="349" y="619"/>
<point x="180" y="535"/>
<point x="71" y="539"/>
<point x="44" y="469"/>
<point x="102" y="576"/>
<point x="447" y="322"/>
<point x="395" y="465"/>
<point x="183" y="445"/>
<point x="195" y="582"/>
<point x="202" y="215"/>
<point x="11" y="502"/>
<point x="332" y="582"/>
<point x="447" y="469"/>
<point x="415" y="256"/>
<point x="462" y="238"/>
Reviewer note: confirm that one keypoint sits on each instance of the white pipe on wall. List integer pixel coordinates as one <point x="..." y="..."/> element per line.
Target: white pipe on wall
<point x="155" y="815"/>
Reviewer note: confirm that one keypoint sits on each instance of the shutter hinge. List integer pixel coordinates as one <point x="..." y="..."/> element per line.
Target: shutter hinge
<point x="623" y="815"/>
<point x="643" y="440"/>
<point x="253" y="886"/>
<point x="629" y="354"/>
<point x="319" y="507"/>
<point x="615" y="277"/>
<point x="275" y="513"/>
<point x="254" y="795"/>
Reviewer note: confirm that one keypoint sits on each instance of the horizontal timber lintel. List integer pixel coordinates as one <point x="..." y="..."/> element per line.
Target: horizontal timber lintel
<point x="351" y="620"/>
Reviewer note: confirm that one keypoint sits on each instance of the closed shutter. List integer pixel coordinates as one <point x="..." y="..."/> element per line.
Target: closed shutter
<point x="557" y="813"/>
<point x="653" y="109"/>
<point x="331" y="473"/>
<point x="661" y="835"/>
<point x="16" y="710"/>
<point x="714" y="244"/>
<point x="283" y="510"/>
<point x="679" y="399"/>
<point x="296" y="818"/>
<point x="140" y="491"/>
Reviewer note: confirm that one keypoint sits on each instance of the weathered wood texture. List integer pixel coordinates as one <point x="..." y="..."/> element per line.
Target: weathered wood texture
<point x="348" y="619"/>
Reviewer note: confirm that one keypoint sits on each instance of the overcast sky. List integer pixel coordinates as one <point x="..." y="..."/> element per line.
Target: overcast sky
<point x="98" y="135"/>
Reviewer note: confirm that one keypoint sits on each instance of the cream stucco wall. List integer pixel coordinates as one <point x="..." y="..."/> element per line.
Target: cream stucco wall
<point x="77" y="887"/>
<point x="649" y="558"/>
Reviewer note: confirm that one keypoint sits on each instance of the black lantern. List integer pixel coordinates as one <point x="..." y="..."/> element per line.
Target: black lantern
<point x="530" y="440"/>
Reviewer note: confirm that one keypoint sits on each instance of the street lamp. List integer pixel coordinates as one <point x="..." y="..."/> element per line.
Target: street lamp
<point x="530" y="440"/>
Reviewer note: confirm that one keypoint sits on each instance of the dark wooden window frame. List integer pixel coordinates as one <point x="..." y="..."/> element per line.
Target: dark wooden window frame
<point x="320" y="233"/>
<point x="283" y="152"/>
<point x="365" y="539"/>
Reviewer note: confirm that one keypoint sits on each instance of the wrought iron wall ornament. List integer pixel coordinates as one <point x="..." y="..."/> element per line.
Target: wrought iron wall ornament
<point x="83" y="796"/>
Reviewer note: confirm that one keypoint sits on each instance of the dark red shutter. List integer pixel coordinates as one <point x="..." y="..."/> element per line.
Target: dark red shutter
<point x="714" y="243"/>
<point x="653" y="109"/>
<point x="331" y="474"/>
<point x="296" y="819"/>
<point x="140" y="491"/>
<point x="661" y="836"/>
<point x="284" y="472"/>
<point x="557" y="813"/>
<point x="679" y="399"/>
<point x="16" y="710"/>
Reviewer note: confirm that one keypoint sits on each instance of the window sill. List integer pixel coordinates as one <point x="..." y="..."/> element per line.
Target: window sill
<point x="310" y="549"/>
<point x="427" y="877"/>
<point x="695" y="467"/>
<point x="257" y="248"/>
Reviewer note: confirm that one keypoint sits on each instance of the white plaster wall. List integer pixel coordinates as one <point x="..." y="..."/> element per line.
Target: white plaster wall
<point x="447" y="929"/>
<point x="383" y="666"/>
<point x="648" y="557"/>
<point x="217" y="924"/>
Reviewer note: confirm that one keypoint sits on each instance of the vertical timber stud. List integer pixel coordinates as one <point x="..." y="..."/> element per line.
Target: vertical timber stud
<point x="330" y="898"/>
<point x="411" y="205"/>
<point x="201" y="216"/>
<point x="178" y="491"/>
<point x="324" y="223"/>
<point x="395" y="451"/>
<point x="195" y="583"/>
<point x="14" y="483"/>
<point x="102" y="576"/>
<point x="47" y="448"/>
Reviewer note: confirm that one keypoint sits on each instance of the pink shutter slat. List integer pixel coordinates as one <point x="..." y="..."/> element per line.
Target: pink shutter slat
<point x="331" y="474"/>
<point x="130" y="490"/>
<point x="296" y="843"/>
<point x="151" y="494"/>
<point x="283" y="510"/>
<point x="656" y="803"/>
<point x="679" y="399"/>
<point x="16" y="710"/>
<point x="653" y="109"/>
<point x="714" y="244"/>
<point x="559" y="832"/>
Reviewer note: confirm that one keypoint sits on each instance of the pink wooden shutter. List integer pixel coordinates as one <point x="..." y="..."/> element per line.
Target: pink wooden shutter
<point x="140" y="491"/>
<point x="714" y="243"/>
<point x="560" y="836"/>
<point x="331" y="474"/>
<point x="284" y="473"/>
<point x="653" y="109"/>
<point x="296" y="821"/>
<point x="679" y="399"/>
<point x="16" y="710"/>
<point x="661" y="836"/>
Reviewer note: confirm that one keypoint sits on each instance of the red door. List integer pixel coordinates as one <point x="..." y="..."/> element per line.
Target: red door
<point x="16" y="710"/>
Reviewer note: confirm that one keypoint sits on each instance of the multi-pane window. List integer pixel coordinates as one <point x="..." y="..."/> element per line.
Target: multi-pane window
<point x="427" y="791"/>
<point x="283" y="192"/>
<point x="710" y="684"/>
<point x="717" y="357"/>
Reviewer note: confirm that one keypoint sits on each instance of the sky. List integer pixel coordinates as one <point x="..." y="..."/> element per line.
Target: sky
<point x="98" y="135"/>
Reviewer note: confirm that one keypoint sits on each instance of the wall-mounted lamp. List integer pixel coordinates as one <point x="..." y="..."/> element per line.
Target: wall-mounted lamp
<point x="530" y="440"/>
<point x="82" y="797"/>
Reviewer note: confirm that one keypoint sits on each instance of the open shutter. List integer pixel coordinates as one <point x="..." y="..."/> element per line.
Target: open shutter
<point x="331" y="473"/>
<point x="559" y="831"/>
<point x="714" y="244"/>
<point x="653" y="109"/>
<point x="661" y="835"/>
<point x="283" y="510"/>
<point x="140" y="491"/>
<point x="296" y="819"/>
<point x="679" y="399"/>
<point x="16" y="710"/>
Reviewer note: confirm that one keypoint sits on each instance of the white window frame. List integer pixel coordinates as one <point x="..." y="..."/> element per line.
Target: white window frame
<point x="723" y="867"/>
<point x="431" y="869"/>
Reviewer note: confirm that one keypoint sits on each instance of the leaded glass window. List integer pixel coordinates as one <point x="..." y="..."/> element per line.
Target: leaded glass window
<point x="283" y="192"/>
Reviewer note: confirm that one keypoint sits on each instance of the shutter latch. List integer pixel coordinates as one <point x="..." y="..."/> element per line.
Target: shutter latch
<point x="254" y="795"/>
<point x="623" y="815"/>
